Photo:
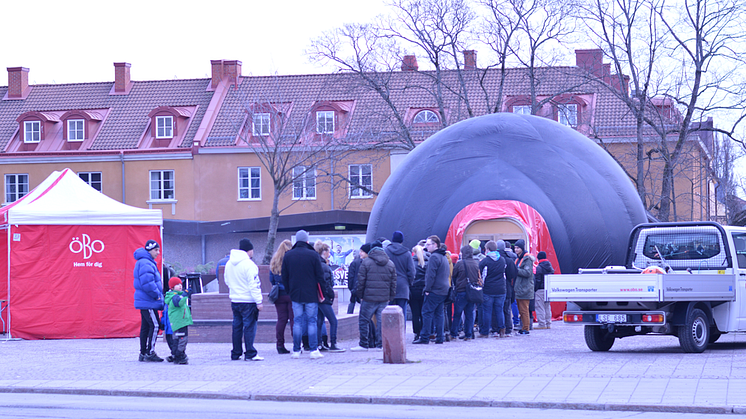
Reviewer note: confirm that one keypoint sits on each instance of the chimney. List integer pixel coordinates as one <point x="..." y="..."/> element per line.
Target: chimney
<point x="409" y="63"/>
<point x="217" y="72"/>
<point x="232" y="71"/>
<point x="590" y="60"/>
<point x="470" y="59"/>
<point x="17" y="82"/>
<point x="121" y="77"/>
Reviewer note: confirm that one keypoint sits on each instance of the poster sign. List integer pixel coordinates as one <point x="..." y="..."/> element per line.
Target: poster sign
<point x="342" y="252"/>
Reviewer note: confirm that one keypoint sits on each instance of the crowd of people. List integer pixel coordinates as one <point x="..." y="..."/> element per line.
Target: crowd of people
<point x="438" y="286"/>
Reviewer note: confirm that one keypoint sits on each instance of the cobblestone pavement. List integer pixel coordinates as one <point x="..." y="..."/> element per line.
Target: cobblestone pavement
<point x="549" y="368"/>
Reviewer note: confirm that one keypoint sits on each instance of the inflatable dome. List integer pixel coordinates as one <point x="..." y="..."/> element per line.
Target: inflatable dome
<point x="527" y="168"/>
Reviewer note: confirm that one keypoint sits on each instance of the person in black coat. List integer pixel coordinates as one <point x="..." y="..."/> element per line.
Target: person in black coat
<point x="465" y="272"/>
<point x="302" y="274"/>
<point x="417" y="290"/>
<point x="492" y="269"/>
<point x="511" y="271"/>
<point x="352" y="277"/>
<point x="404" y="270"/>
<point x="543" y="307"/>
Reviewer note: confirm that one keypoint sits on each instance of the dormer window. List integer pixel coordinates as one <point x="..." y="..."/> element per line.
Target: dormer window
<point x="426" y="117"/>
<point x="522" y="109"/>
<point x="31" y="131"/>
<point x="164" y="127"/>
<point x="325" y="122"/>
<point x="260" y="124"/>
<point x="567" y="115"/>
<point x="75" y="129"/>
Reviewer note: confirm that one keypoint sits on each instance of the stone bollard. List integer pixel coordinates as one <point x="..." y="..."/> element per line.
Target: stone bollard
<point x="393" y="334"/>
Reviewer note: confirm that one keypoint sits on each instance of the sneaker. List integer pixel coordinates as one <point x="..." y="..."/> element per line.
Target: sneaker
<point x="421" y="342"/>
<point x="152" y="357"/>
<point x="439" y="342"/>
<point x="170" y="358"/>
<point x="323" y="348"/>
<point x="282" y="351"/>
<point x="335" y="348"/>
<point x="295" y="355"/>
<point x="182" y="361"/>
<point x="255" y="358"/>
<point x="142" y="358"/>
<point x="481" y="336"/>
<point x="316" y="354"/>
<point x="466" y="338"/>
<point x="358" y="348"/>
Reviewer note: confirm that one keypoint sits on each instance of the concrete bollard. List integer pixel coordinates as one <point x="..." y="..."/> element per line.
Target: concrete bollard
<point x="393" y="334"/>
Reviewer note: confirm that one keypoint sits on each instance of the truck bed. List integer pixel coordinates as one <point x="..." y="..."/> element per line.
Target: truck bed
<point x="641" y="287"/>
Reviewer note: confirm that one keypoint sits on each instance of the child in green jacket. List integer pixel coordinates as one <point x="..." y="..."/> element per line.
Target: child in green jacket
<point x="180" y="318"/>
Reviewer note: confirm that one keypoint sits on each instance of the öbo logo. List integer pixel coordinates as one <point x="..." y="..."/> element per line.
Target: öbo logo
<point x="86" y="246"/>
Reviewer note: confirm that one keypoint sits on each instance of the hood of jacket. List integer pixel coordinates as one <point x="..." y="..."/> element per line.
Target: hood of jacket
<point x="237" y="256"/>
<point x="397" y="249"/>
<point x="494" y="255"/>
<point x="379" y="256"/>
<point x="141" y="253"/>
<point x="546" y="265"/>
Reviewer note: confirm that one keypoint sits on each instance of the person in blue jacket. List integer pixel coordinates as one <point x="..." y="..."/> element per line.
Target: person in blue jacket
<point x="148" y="298"/>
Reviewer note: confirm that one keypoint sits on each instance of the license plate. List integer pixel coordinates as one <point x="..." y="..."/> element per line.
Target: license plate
<point x="611" y="318"/>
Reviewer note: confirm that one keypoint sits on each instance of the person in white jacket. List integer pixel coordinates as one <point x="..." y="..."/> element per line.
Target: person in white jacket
<point x="242" y="278"/>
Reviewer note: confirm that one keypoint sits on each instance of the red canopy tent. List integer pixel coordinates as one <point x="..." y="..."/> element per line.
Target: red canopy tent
<point x="68" y="256"/>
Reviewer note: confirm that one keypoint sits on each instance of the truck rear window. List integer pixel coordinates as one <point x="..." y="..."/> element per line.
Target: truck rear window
<point x="682" y="245"/>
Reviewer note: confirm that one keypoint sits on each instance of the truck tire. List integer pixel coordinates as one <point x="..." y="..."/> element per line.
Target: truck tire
<point x="597" y="339"/>
<point x="694" y="335"/>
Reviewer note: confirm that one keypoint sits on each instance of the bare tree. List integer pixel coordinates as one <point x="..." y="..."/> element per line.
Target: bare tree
<point x="705" y="36"/>
<point x="728" y="184"/>
<point x="436" y="28"/>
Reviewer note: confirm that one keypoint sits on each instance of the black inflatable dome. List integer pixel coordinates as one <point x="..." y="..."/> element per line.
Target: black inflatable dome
<point x="587" y="201"/>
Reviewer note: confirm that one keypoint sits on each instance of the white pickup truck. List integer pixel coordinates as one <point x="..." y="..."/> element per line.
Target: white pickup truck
<point x="681" y="279"/>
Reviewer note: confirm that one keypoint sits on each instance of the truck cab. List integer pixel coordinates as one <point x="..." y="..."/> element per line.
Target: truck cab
<point x="681" y="279"/>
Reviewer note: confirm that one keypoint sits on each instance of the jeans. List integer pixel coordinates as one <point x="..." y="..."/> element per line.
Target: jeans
<point x="461" y="305"/>
<point x="508" y="315"/>
<point x="543" y="309"/>
<point x="305" y="320"/>
<point x="516" y="315"/>
<point x="491" y="304"/>
<point x="433" y="312"/>
<point x="245" y="316"/>
<point x="327" y="311"/>
<point x="367" y="311"/>
<point x="401" y="302"/>
<point x="284" y="308"/>
<point x="415" y="303"/>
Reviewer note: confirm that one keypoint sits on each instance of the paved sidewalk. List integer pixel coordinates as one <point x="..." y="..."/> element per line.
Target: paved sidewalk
<point x="550" y="368"/>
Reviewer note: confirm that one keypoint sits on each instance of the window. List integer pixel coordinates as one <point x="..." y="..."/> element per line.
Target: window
<point x="93" y="179"/>
<point x="426" y="117"/>
<point x="261" y="124"/>
<point x="164" y="126"/>
<point x="682" y="246"/>
<point x="75" y="130"/>
<point x="249" y="183"/>
<point x="161" y="184"/>
<point x="16" y="186"/>
<point x="522" y="109"/>
<point x="32" y="131"/>
<point x="325" y="122"/>
<point x="739" y="242"/>
<point x="304" y="185"/>
<point x="568" y="115"/>
<point x="361" y="175"/>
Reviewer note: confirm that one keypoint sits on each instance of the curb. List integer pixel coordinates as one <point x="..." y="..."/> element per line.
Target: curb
<point x="409" y="401"/>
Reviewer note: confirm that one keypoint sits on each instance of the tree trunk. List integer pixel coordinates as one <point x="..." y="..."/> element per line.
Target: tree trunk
<point x="640" y="179"/>
<point x="666" y="191"/>
<point x="274" y="221"/>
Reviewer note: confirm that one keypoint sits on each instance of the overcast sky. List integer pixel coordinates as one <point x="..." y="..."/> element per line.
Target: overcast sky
<point x="79" y="40"/>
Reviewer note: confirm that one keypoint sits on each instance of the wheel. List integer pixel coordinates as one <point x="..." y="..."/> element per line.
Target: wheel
<point x="598" y="339"/>
<point x="695" y="334"/>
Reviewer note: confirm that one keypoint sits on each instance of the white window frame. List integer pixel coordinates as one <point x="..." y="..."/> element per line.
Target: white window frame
<point x="325" y="122"/>
<point x="165" y="131"/>
<point x="426" y="117"/>
<point x="75" y="130"/>
<point x="358" y="177"/>
<point x="304" y="183"/>
<point x="250" y="182"/>
<point x="34" y="129"/>
<point x="567" y="115"/>
<point x="522" y="109"/>
<point x="162" y="188"/>
<point x="260" y="124"/>
<point x="87" y="177"/>
<point x="18" y="182"/>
